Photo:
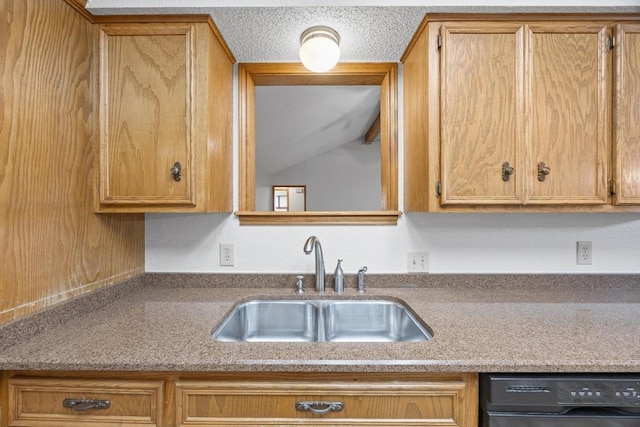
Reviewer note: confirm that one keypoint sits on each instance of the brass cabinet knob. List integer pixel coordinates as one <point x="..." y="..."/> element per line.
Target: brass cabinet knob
<point x="543" y="171"/>
<point x="507" y="171"/>
<point x="176" y="171"/>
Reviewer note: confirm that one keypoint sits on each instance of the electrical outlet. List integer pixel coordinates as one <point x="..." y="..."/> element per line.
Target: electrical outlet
<point x="418" y="262"/>
<point x="583" y="253"/>
<point x="226" y="254"/>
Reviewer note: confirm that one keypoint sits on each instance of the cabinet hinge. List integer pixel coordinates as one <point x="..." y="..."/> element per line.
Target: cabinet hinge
<point x="438" y="189"/>
<point x="438" y="43"/>
<point x="612" y="187"/>
<point x="611" y="42"/>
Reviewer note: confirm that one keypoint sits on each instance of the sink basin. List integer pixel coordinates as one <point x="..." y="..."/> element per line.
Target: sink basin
<point x="371" y="321"/>
<point x="270" y="321"/>
<point x="321" y="320"/>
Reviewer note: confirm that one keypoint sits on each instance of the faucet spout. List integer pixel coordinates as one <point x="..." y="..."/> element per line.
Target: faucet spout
<point x="361" y="279"/>
<point x="314" y="243"/>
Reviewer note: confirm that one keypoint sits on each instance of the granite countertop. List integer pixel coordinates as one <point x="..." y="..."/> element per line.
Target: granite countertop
<point x="493" y="324"/>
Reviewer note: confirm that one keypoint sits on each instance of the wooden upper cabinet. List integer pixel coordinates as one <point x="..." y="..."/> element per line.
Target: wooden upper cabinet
<point x="515" y="114"/>
<point x="164" y="118"/>
<point x="481" y="87"/>
<point x="627" y="115"/>
<point x="498" y="127"/>
<point x="568" y="109"/>
<point x="145" y="82"/>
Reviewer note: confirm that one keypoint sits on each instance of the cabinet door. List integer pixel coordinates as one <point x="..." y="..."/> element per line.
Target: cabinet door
<point x="627" y="115"/>
<point x="146" y="114"/>
<point x="481" y="122"/>
<point x="568" y="92"/>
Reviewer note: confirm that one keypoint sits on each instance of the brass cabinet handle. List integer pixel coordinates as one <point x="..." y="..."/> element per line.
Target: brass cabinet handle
<point x="85" y="404"/>
<point x="176" y="171"/>
<point x="507" y="171"/>
<point x="320" y="407"/>
<point x="543" y="171"/>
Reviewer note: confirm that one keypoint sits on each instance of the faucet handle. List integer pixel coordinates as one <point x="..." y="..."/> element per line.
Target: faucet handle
<point x="361" y="279"/>
<point x="299" y="285"/>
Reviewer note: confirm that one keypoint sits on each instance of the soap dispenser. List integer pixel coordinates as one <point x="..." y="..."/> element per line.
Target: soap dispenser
<point x="338" y="278"/>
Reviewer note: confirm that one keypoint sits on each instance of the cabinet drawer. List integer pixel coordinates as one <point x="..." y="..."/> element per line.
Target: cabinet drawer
<point x="40" y="402"/>
<point x="410" y="403"/>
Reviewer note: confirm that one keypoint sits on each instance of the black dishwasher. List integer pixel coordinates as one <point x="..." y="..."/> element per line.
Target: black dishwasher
<point x="559" y="400"/>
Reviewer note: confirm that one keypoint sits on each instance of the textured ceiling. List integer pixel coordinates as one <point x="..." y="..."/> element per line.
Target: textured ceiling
<point x="367" y="33"/>
<point x="273" y="34"/>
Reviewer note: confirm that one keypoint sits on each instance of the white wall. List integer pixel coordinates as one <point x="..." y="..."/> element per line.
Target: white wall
<point x="346" y="178"/>
<point x="297" y="199"/>
<point x="457" y="243"/>
<point x="264" y="189"/>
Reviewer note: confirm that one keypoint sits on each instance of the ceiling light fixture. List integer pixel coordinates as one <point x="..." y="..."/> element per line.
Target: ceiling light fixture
<point x="319" y="49"/>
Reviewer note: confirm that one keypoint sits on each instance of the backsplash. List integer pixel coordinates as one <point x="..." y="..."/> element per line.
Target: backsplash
<point x="456" y="243"/>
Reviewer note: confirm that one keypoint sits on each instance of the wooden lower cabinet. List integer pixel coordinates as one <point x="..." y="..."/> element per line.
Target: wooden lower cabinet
<point x="37" y="399"/>
<point x="62" y="402"/>
<point x="388" y="400"/>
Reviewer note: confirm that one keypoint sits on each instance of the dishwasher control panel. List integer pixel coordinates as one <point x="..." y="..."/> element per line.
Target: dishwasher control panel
<point x="559" y="400"/>
<point x="610" y="392"/>
<point x="563" y="390"/>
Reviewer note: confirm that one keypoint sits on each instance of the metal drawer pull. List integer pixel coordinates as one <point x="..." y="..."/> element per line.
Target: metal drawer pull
<point x="320" y="408"/>
<point x="85" y="404"/>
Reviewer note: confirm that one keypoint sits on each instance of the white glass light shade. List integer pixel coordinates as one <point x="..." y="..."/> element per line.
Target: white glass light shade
<point x="319" y="49"/>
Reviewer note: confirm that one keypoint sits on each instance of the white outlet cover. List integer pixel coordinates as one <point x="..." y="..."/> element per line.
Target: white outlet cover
<point x="418" y="262"/>
<point x="584" y="253"/>
<point x="226" y="255"/>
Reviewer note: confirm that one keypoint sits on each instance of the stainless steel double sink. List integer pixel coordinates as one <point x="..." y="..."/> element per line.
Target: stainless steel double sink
<point x="321" y="320"/>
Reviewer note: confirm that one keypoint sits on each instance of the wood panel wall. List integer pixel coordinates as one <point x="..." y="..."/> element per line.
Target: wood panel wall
<point x="52" y="246"/>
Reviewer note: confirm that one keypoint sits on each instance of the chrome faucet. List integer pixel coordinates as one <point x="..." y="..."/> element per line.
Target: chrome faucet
<point x="361" y="279"/>
<point x="314" y="243"/>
